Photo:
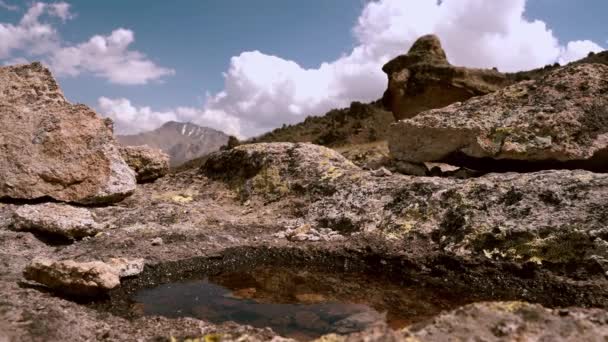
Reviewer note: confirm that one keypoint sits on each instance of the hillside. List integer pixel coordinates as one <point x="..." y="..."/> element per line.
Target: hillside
<point x="181" y="141"/>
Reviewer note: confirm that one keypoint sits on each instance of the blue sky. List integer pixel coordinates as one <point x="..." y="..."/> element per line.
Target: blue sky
<point x="184" y="49"/>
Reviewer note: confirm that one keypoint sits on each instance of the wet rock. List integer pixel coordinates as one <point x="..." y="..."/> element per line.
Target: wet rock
<point x="359" y="321"/>
<point x="512" y="321"/>
<point x="309" y="320"/>
<point x="562" y="117"/>
<point x="56" y="219"/>
<point x="85" y="279"/>
<point x="423" y="79"/>
<point x="147" y="162"/>
<point x="274" y="170"/>
<point x="51" y="148"/>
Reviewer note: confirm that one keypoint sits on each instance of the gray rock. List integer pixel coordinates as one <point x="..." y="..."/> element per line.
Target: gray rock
<point x="147" y="162"/>
<point x="57" y="219"/>
<point x="561" y="117"/>
<point x="51" y="148"/>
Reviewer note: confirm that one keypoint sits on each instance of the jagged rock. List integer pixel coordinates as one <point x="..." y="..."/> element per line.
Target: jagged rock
<point x="424" y="79"/>
<point x="57" y="219"/>
<point x="81" y="278"/>
<point x="274" y="170"/>
<point x="147" y="162"/>
<point x="51" y="148"/>
<point x="561" y="117"/>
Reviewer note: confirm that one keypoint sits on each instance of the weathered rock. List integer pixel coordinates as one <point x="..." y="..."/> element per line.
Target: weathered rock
<point x="56" y="219"/>
<point x="424" y="79"/>
<point x="562" y="117"/>
<point x="51" y="148"/>
<point x="127" y="267"/>
<point x="82" y="278"/>
<point x="274" y="170"/>
<point x="147" y="162"/>
<point x="74" y="278"/>
<point x="512" y="321"/>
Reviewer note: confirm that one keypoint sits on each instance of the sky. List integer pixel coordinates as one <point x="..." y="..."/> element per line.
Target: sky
<point x="246" y="67"/>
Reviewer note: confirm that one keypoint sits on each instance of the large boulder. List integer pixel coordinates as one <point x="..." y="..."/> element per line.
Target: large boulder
<point x="50" y="148"/>
<point x="562" y="117"/>
<point x="56" y="219"/>
<point x="147" y="162"/>
<point x="274" y="170"/>
<point x="424" y="79"/>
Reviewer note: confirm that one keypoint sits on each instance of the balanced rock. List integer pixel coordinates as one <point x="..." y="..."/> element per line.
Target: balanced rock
<point x="424" y="79"/>
<point x="274" y="170"/>
<point x="52" y="148"/>
<point x="75" y="278"/>
<point x="560" y="117"/>
<point x="147" y="162"/>
<point x="57" y="219"/>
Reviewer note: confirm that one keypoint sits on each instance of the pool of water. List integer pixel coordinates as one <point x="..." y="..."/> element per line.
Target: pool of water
<point x="300" y="304"/>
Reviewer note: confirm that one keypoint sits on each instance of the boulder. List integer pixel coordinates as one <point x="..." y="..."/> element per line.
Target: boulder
<point x="50" y="148"/>
<point x="147" y="162"/>
<point x="56" y="219"/>
<point x="561" y="117"/>
<point x="274" y="170"/>
<point x="424" y="79"/>
<point x="85" y="279"/>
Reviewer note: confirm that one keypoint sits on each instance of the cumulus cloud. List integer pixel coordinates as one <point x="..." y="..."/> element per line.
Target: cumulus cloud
<point x="264" y="91"/>
<point x="108" y="57"/>
<point x="130" y="119"/>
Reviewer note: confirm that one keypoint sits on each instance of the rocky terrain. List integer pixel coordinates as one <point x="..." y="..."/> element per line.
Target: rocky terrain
<point x="181" y="141"/>
<point x="516" y="251"/>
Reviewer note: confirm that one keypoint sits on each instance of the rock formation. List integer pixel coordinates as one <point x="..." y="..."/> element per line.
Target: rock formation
<point x="277" y="169"/>
<point x="424" y="79"/>
<point x="147" y="162"/>
<point x="81" y="278"/>
<point x="50" y="148"/>
<point x="560" y="118"/>
<point x="181" y="141"/>
<point x="56" y="219"/>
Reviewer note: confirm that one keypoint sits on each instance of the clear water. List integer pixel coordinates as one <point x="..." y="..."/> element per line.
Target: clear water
<point x="294" y="303"/>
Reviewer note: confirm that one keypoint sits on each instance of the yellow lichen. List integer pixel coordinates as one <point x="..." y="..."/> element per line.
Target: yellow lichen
<point x="269" y="182"/>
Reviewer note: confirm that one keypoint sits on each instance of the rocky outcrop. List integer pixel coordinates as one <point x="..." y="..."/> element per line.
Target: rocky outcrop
<point x="56" y="219"/>
<point x="423" y="79"/>
<point x="147" y="162"/>
<point x="50" y="148"/>
<point x="81" y="278"/>
<point x="274" y="170"/>
<point x="562" y="117"/>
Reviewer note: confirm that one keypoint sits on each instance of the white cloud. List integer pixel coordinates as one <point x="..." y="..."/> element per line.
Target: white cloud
<point x="263" y="91"/>
<point x="8" y="7"/>
<point x="108" y="57"/>
<point x="129" y="119"/>
<point x="577" y="50"/>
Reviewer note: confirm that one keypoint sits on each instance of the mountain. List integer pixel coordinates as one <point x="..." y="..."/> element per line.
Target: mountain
<point x="181" y="141"/>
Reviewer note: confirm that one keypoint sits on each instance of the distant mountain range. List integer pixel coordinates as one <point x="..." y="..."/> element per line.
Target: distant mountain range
<point x="181" y="141"/>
